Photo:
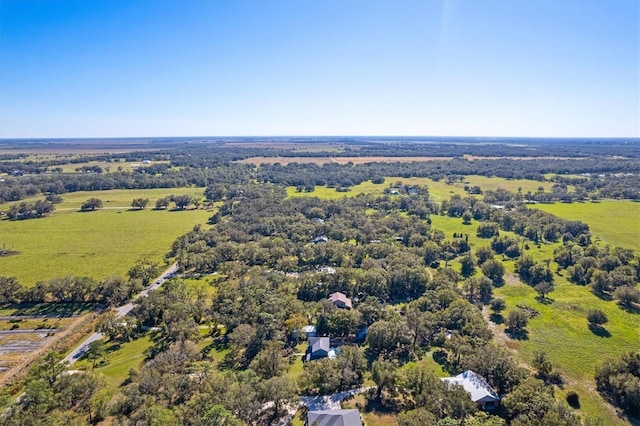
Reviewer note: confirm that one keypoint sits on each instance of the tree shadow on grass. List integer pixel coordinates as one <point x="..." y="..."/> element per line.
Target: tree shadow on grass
<point x="498" y="283"/>
<point x="599" y="331"/>
<point x="603" y="296"/>
<point x="517" y="334"/>
<point x="544" y="300"/>
<point x="496" y="318"/>
<point x="632" y="309"/>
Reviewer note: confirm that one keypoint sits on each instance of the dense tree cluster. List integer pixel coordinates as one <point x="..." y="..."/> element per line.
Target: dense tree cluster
<point x="619" y="380"/>
<point x="30" y="210"/>
<point x="110" y="291"/>
<point x="608" y="271"/>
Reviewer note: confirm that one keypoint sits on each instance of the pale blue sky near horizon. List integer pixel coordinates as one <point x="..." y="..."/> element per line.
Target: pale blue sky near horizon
<point x="136" y="68"/>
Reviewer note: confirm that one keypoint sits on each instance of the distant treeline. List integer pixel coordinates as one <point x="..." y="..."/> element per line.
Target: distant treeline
<point x="610" y="177"/>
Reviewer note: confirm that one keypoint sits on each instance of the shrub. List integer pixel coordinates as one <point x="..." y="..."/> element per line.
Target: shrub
<point x="597" y="317"/>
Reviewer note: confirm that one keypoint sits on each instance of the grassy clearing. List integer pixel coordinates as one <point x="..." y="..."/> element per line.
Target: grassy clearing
<point x="95" y="244"/>
<point x="561" y="331"/>
<point x="614" y="222"/>
<point x="120" y="198"/>
<point x="438" y="190"/>
<point x="108" y="166"/>
<point x="32" y="324"/>
<point x="426" y="362"/>
<point x="57" y="309"/>
<point x="511" y="185"/>
<point x="370" y="418"/>
<point x="121" y="359"/>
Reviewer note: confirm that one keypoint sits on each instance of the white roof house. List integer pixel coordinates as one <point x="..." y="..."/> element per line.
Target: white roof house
<point x="481" y="393"/>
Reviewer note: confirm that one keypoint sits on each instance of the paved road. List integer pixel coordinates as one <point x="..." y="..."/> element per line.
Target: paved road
<point x="120" y="312"/>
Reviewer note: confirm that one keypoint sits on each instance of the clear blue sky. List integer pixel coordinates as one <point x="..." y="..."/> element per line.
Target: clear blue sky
<point x="99" y="68"/>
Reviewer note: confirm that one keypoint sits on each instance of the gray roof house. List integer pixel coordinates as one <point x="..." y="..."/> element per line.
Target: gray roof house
<point x="334" y="418"/>
<point x="340" y="300"/>
<point x="319" y="347"/>
<point x="481" y="393"/>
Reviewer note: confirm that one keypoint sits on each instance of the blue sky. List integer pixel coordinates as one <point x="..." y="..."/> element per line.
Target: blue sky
<point x="92" y="68"/>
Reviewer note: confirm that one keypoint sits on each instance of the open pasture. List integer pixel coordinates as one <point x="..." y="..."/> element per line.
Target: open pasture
<point x="614" y="222"/>
<point x="107" y="166"/>
<point x="439" y="190"/>
<point x="561" y="330"/>
<point x="95" y="244"/>
<point x="511" y="185"/>
<point x="115" y="198"/>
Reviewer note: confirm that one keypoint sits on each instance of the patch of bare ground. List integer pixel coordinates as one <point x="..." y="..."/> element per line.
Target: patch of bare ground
<point x="18" y="362"/>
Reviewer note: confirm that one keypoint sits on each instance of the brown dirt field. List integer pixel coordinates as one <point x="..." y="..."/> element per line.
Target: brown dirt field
<point x="74" y="332"/>
<point x="338" y="160"/>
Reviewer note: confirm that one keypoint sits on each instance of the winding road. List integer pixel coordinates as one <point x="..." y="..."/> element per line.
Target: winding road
<point x="121" y="311"/>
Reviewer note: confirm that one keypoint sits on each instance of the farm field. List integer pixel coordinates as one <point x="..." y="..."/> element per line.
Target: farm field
<point x="115" y="198"/>
<point x="107" y="166"/>
<point x="512" y="185"/>
<point x="437" y="189"/>
<point x="95" y="244"/>
<point x="614" y="222"/>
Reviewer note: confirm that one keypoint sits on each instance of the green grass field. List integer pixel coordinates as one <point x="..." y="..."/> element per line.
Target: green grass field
<point x="116" y="198"/>
<point x="614" y="222"/>
<point x="439" y="190"/>
<point x="95" y="244"/>
<point x="122" y="359"/>
<point x="561" y="329"/>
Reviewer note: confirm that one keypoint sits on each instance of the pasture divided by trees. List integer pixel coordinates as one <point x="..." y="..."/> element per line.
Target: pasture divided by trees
<point x="445" y="264"/>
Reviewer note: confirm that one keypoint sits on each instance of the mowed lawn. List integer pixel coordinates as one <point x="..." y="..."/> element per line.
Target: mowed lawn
<point x="95" y="244"/>
<point x="614" y="222"/>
